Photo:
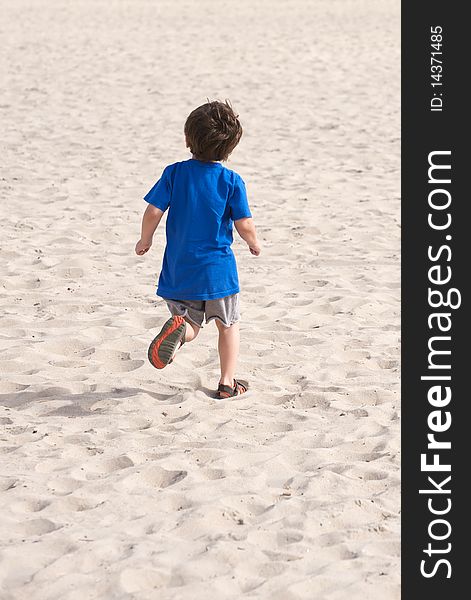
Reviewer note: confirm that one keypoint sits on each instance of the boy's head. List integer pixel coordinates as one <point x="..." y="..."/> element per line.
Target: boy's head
<point x="212" y="131"/>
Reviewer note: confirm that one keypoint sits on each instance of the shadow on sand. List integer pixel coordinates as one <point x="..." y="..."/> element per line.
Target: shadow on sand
<point x="80" y="404"/>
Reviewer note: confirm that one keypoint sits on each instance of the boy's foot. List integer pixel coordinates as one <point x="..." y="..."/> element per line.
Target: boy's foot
<point x="165" y="344"/>
<point x="226" y="391"/>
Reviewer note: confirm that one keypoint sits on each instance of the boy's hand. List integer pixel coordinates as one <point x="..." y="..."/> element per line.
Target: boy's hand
<point x="150" y="222"/>
<point x="142" y="247"/>
<point x="246" y="229"/>
<point x="255" y="249"/>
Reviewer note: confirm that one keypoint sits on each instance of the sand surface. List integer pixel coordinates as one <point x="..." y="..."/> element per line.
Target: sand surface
<point x="119" y="481"/>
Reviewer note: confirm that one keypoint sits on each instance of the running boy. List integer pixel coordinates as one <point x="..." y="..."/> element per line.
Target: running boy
<point x="199" y="277"/>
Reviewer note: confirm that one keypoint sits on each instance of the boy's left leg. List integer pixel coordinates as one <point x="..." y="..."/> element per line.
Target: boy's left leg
<point x="192" y="330"/>
<point x="163" y="347"/>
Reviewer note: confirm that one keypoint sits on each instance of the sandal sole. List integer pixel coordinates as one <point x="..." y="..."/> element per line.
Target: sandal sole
<point x="163" y="346"/>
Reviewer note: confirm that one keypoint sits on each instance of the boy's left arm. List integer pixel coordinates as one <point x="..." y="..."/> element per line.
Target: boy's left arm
<point x="150" y="221"/>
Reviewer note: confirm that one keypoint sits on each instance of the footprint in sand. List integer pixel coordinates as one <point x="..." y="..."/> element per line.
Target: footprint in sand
<point x="272" y="569"/>
<point x="66" y="364"/>
<point x="375" y="475"/>
<point x="213" y="474"/>
<point x="63" y="346"/>
<point x="70" y="272"/>
<point x="330" y="539"/>
<point x="103" y="467"/>
<point x="63" y="486"/>
<point x="36" y="527"/>
<point x="152" y="476"/>
<point x="25" y="505"/>
<point x="122" y="366"/>
<point x="13" y="366"/>
<point x="306" y="400"/>
<point x="139" y="580"/>
<point x="278" y="427"/>
<point x="174" y="501"/>
<point x="289" y="537"/>
<point x="10" y="387"/>
<point x="74" y="504"/>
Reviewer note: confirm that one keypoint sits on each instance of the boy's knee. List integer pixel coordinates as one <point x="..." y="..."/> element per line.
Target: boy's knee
<point x="224" y="328"/>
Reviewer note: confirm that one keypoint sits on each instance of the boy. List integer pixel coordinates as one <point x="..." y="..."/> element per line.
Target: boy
<point x="199" y="277"/>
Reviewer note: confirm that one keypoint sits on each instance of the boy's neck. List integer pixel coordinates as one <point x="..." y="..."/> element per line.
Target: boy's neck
<point x="195" y="158"/>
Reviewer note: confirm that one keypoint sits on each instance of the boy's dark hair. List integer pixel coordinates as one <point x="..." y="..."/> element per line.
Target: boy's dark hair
<point x="213" y="131"/>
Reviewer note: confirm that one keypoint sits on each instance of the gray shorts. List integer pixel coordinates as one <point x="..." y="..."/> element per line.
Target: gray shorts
<point x="226" y="310"/>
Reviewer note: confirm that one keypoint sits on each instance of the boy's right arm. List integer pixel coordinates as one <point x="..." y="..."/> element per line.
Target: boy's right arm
<point x="150" y="221"/>
<point x="246" y="229"/>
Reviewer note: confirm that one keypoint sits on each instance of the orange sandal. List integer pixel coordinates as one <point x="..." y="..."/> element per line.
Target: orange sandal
<point x="226" y="391"/>
<point x="165" y="344"/>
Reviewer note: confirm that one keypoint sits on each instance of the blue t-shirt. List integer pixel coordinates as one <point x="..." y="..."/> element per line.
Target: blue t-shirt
<point x="203" y="200"/>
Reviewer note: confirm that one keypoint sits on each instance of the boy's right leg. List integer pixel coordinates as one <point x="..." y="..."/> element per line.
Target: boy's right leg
<point x="228" y="347"/>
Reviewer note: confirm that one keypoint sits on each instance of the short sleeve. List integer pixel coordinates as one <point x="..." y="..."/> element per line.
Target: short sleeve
<point x="238" y="202"/>
<point x="160" y="194"/>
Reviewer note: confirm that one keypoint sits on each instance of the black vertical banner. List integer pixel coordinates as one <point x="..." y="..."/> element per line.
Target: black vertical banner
<point x="436" y="428"/>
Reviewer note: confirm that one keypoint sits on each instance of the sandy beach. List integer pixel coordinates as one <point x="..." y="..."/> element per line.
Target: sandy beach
<point x="119" y="481"/>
